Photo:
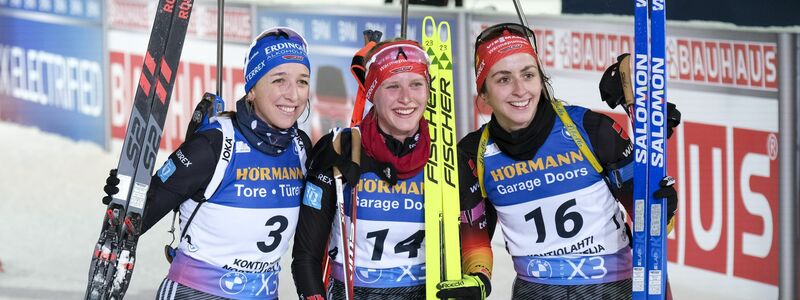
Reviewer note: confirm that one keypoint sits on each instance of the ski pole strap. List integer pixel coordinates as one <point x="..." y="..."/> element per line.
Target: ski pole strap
<point x="618" y="175"/>
<point x="191" y="217"/>
<point x="481" y="151"/>
<point x="568" y="124"/>
<point x="225" y="154"/>
<point x="301" y="153"/>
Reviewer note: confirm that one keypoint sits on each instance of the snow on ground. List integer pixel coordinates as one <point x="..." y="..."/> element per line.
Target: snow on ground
<point x="50" y="215"/>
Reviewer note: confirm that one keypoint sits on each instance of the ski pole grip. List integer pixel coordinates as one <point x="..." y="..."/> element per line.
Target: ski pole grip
<point x="337" y="147"/>
<point x="355" y="150"/>
<point x="367" y="35"/>
<point x="626" y="75"/>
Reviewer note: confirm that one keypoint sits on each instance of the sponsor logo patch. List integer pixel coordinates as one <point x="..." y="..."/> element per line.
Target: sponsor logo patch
<point x="565" y="134"/>
<point x="166" y="170"/>
<point x="491" y="150"/>
<point x="313" y="196"/>
<point x="540" y="269"/>
<point x="183" y="159"/>
<point x="367" y="275"/>
<point x="242" y="147"/>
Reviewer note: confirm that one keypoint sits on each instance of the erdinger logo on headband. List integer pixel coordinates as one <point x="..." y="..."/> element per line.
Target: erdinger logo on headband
<point x="281" y="46"/>
<point x="401" y="70"/>
<point x="509" y="48"/>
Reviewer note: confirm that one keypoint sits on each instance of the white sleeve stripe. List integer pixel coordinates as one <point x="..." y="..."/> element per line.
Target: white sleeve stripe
<point x="222" y="164"/>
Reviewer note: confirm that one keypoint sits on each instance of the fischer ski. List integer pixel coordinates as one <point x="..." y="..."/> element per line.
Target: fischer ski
<point x="442" y="207"/>
<point x="650" y="138"/>
<point x="115" y="252"/>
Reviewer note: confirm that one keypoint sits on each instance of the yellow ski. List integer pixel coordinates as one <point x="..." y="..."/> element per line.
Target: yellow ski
<point x="442" y="207"/>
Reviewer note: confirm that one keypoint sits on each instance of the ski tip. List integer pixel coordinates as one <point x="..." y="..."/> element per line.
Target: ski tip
<point x="443" y="31"/>
<point x="428" y="26"/>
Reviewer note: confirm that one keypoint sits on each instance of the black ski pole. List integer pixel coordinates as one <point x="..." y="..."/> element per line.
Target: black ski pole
<point x="404" y="18"/>
<point x="220" y="33"/>
<point x="532" y="39"/>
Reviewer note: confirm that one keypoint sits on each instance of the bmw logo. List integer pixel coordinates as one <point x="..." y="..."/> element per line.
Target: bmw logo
<point x="233" y="282"/>
<point x="540" y="269"/>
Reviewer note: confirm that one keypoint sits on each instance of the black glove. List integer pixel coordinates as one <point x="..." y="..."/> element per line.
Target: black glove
<point x="673" y="118"/>
<point x="111" y="188"/>
<point x="475" y="286"/>
<point x="613" y="91"/>
<point x="611" y="84"/>
<point x="357" y="65"/>
<point x="667" y="191"/>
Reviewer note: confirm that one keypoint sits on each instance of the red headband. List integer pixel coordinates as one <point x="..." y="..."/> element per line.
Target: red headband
<point x="492" y="51"/>
<point x="394" y="58"/>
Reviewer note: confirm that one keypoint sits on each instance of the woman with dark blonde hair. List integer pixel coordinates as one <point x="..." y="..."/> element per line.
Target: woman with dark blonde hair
<point x="389" y="219"/>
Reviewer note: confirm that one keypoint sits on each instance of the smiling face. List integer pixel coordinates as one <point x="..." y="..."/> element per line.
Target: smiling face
<point x="512" y="90"/>
<point x="399" y="103"/>
<point x="281" y="95"/>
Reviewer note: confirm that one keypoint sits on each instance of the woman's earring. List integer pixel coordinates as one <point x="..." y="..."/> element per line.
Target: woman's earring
<point x="308" y="107"/>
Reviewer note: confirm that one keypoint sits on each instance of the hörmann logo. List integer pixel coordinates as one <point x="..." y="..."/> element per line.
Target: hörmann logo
<point x="274" y="173"/>
<point x="539" y="164"/>
<point x="381" y="186"/>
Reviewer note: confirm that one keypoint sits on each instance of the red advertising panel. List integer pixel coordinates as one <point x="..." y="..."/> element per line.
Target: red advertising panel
<point x="192" y="81"/>
<point x="706" y="223"/>
<point x="755" y="208"/>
